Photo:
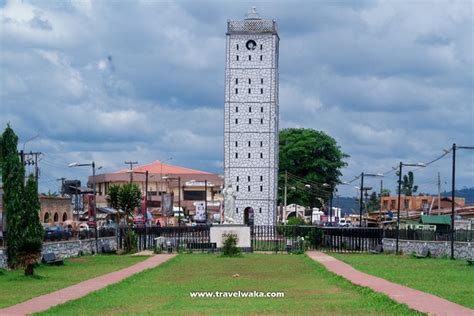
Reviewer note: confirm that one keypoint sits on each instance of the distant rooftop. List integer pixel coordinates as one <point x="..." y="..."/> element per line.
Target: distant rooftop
<point x="158" y="167"/>
<point x="252" y="23"/>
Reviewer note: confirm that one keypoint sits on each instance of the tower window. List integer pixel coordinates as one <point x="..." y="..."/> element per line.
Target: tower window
<point x="261" y="46"/>
<point x="261" y="91"/>
<point x="250" y="90"/>
<point x="261" y="57"/>
<point x="237" y="178"/>
<point x="236" y="210"/>
<point x="248" y="178"/>
<point x="236" y="144"/>
<point x="249" y="144"/>
<point x="250" y="109"/>
<point x="261" y="188"/>
<point x="249" y="155"/>
<point x="261" y="80"/>
<point x="260" y="210"/>
<point x="261" y="109"/>
<point x="236" y="121"/>
<point x="261" y="121"/>
<point x="249" y="188"/>
<point x="261" y="155"/>
<point x="261" y="178"/>
<point x="237" y="46"/>
<point x="236" y="91"/>
<point x="236" y="109"/>
<point x="236" y="155"/>
<point x="250" y="121"/>
<point x="237" y="188"/>
<point x="250" y="81"/>
<point x="236" y="80"/>
<point x="250" y="57"/>
<point x="237" y="57"/>
<point x="261" y="144"/>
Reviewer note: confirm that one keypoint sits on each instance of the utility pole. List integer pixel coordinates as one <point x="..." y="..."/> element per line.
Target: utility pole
<point x="361" y="198"/>
<point x="30" y="158"/>
<point x="131" y="163"/>
<point x="453" y="188"/>
<point x="285" y="192"/>
<point x="439" y="193"/>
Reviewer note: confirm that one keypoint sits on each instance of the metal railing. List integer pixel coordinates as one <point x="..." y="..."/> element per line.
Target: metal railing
<point x="430" y="235"/>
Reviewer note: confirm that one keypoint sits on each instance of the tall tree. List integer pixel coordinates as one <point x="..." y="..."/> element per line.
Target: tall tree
<point x="129" y="197"/>
<point x="314" y="158"/>
<point x="13" y="173"/>
<point x="30" y="244"/>
<point x="408" y="184"/>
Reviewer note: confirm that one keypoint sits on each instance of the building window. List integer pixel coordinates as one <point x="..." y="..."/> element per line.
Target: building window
<point x="64" y="217"/>
<point x="250" y="57"/>
<point x="385" y="205"/>
<point x="236" y="109"/>
<point x="393" y="204"/>
<point x="56" y="217"/>
<point x="237" y="188"/>
<point x="248" y="188"/>
<point x="261" y="46"/>
<point x="237" y="46"/>
<point x="406" y="203"/>
<point x="236" y="144"/>
<point x="261" y="188"/>
<point x="237" y="57"/>
<point x="248" y="178"/>
<point x="250" y="90"/>
<point x="250" y="121"/>
<point x="261" y="80"/>
<point x="261" y="109"/>
<point x="236" y="80"/>
<point x="261" y="155"/>
<point x="261" y="57"/>
<point x="236" y="155"/>
<point x="261" y="144"/>
<point x="236" y="210"/>
<point x="250" y="144"/>
<point x="237" y="178"/>
<point x="261" y="91"/>
<point x="250" y="81"/>
<point x="260" y="210"/>
<point x="261" y="178"/>
<point x="236" y="91"/>
<point x="250" y="109"/>
<point x="46" y="217"/>
<point x="249" y="155"/>
<point x="261" y="121"/>
<point x="236" y="121"/>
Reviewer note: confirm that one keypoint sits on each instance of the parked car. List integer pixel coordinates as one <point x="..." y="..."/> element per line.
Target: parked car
<point x="56" y="233"/>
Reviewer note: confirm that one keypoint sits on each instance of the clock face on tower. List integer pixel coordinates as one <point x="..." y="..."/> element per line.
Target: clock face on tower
<point x="251" y="45"/>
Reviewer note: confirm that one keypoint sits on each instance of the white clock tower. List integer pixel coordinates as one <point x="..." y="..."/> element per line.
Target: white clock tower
<point x="251" y="118"/>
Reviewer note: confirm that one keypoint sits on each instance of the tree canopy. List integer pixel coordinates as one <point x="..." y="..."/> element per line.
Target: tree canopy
<point x="314" y="161"/>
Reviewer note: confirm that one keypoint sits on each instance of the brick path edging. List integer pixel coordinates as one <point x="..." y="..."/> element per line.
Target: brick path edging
<point x="414" y="299"/>
<point x="45" y="302"/>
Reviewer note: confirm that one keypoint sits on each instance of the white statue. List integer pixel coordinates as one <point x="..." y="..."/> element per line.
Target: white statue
<point x="229" y="204"/>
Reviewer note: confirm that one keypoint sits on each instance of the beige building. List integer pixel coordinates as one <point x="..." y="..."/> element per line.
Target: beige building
<point x="187" y="185"/>
<point x="412" y="203"/>
<point x="55" y="210"/>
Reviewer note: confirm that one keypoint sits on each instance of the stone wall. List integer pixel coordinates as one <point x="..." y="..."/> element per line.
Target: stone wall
<point x="462" y="250"/>
<point x="71" y="248"/>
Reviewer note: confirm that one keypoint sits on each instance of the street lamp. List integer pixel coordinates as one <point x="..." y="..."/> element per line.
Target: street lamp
<point x="399" y="195"/>
<point x="453" y="188"/>
<point x="361" y="204"/>
<point x="92" y="164"/>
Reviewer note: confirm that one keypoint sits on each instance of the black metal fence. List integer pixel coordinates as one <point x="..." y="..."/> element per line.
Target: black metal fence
<point x="430" y="235"/>
<point x="298" y="238"/>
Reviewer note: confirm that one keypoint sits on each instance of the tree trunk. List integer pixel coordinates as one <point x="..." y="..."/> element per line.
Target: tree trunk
<point x="29" y="270"/>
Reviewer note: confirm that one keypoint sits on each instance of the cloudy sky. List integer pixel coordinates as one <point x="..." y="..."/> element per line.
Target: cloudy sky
<point x="144" y="80"/>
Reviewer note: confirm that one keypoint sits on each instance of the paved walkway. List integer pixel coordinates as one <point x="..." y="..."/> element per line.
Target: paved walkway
<point x="45" y="302"/>
<point x="420" y="301"/>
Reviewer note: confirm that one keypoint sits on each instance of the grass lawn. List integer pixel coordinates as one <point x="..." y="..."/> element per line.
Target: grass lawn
<point x="16" y="288"/>
<point x="309" y="289"/>
<point x="452" y="280"/>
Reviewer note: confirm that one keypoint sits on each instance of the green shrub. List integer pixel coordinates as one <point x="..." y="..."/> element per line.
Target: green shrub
<point x="295" y="221"/>
<point x="230" y="248"/>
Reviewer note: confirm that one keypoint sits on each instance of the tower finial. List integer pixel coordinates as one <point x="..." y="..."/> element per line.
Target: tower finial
<point x="252" y="14"/>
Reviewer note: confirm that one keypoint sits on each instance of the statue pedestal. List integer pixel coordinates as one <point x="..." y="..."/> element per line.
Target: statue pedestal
<point x="219" y="232"/>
